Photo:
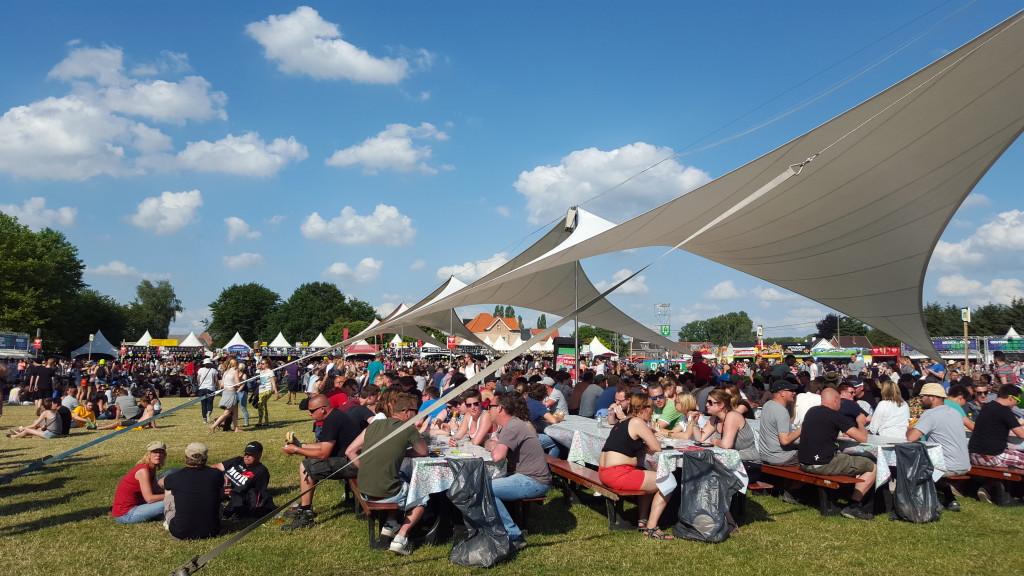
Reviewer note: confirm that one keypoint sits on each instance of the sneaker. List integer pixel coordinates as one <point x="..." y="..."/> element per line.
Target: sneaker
<point x="983" y="496"/>
<point x="400" y="546"/>
<point x="788" y="498"/>
<point x="296" y="512"/>
<point x="519" y="545"/>
<point x="291" y="438"/>
<point x="953" y="506"/>
<point x="303" y="520"/>
<point x="856" y="513"/>
<point x="389" y="529"/>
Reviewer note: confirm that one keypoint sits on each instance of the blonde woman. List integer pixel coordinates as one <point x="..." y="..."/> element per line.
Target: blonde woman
<point x="229" y="397"/>
<point x="892" y="414"/>
<point x="139" y="497"/>
<point x="686" y="405"/>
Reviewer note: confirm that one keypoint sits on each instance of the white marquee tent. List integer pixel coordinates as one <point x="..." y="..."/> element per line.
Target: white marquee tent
<point x="100" y="347"/>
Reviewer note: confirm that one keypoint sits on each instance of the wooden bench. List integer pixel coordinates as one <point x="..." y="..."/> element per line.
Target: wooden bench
<point x="376" y="514"/>
<point x="994" y="479"/>
<point x="571" y="473"/>
<point x="520" y="511"/>
<point x="826" y="485"/>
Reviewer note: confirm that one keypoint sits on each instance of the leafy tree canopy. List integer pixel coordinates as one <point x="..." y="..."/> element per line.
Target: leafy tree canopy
<point x="242" y="308"/>
<point x="154" y="308"/>
<point x="731" y="327"/>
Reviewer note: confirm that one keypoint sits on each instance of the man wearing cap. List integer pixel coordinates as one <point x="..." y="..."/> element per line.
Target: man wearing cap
<point x="334" y="431"/>
<point x="207" y="383"/>
<point x="555" y="400"/>
<point x="988" y="445"/>
<point x="246" y="483"/>
<point x="777" y="435"/>
<point x="818" y="451"/>
<point x="943" y="424"/>
<point x="193" y="494"/>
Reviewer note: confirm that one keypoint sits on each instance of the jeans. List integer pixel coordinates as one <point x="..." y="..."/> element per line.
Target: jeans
<point x="548" y="445"/>
<point x="207" y="402"/>
<point x="514" y="487"/>
<point x="142" y="513"/>
<point x="243" y="404"/>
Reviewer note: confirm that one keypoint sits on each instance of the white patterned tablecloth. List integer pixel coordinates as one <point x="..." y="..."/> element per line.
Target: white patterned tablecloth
<point x="432" y="474"/>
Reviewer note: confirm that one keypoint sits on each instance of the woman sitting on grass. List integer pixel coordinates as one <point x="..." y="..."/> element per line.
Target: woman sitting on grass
<point x="629" y="441"/>
<point x="47" y="425"/>
<point x="138" y="497"/>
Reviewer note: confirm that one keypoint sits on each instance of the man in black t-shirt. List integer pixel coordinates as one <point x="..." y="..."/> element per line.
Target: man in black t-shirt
<point x="818" y="451"/>
<point x="192" y="503"/>
<point x="246" y="482"/>
<point x="849" y="407"/>
<point x="334" y="430"/>
<point x="988" y="445"/>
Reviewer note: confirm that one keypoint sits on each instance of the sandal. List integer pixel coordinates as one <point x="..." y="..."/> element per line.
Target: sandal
<point x="656" y="534"/>
<point x="642" y="526"/>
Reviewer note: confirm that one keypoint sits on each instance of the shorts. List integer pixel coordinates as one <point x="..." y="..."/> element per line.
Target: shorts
<point x="321" y="468"/>
<point x="402" y="499"/>
<point x="842" y="464"/>
<point x="228" y="400"/>
<point x="294" y="385"/>
<point x="48" y="434"/>
<point x="622" y="477"/>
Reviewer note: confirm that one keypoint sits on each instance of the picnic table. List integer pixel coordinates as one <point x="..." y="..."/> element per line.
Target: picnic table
<point x="883" y="451"/>
<point x="585" y="438"/>
<point x="431" y="474"/>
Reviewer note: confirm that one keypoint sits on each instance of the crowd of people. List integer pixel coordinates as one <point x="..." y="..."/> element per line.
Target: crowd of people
<point x="802" y="406"/>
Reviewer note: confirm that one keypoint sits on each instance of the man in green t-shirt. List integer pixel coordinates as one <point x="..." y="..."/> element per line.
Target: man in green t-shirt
<point x="665" y="415"/>
<point x="378" y="469"/>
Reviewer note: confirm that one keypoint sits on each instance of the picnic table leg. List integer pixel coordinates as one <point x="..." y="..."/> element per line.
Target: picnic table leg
<point x="616" y="520"/>
<point x="825" y="504"/>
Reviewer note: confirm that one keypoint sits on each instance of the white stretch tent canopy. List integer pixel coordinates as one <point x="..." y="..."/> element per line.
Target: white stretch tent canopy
<point x="280" y="342"/>
<point x="236" y="340"/>
<point x="320" y="342"/>
<point x="99" y="346"/>
<point x="145" y="340"/>
<point x="597" y="348"/>
<point x="1011" y="333"/>
<point x="873" y="189"/>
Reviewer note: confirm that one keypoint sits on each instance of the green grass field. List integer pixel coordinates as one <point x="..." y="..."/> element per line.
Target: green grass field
<point x="57" y="521"/>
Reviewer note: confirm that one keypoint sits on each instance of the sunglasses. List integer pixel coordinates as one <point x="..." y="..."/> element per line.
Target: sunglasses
<point x="471" y="404"/>
<point x="313" y="410"/>
<point x="712" y="403"/>
<point x="658" y="397"/>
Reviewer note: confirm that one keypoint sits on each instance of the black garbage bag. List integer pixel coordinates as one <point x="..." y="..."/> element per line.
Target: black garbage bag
<point x="916" y="498"/>
<point x="706" y="489"/>
<point x="487" y="543"/>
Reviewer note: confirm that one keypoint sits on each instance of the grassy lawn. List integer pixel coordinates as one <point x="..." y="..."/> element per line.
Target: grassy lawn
<point x="57" y="522"/>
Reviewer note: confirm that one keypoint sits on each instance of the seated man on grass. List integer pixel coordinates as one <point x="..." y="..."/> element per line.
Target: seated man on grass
<point x="378" y="468"/>
<point x="192" y="499"/>
<point x="818" y="452"/>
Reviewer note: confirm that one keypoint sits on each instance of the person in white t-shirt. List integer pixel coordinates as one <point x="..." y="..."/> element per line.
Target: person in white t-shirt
<point x="807" y="400"/>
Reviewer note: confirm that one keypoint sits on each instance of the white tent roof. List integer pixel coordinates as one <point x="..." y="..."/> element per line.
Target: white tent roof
<point x="502" y="345"/>
<point x="396" y="340"/>
<point x="99" y="346"/>
<point x="236" y="340"/>
<point x="598" y="348"/>
<point x="144" y="341"/>
<point x="190" y="340"/>
<point x="550" y="290"/>
<point x="543" y="346"/>
<point x="411" y="330"/>
<point x="280" y="342"/>
<point x="320" y="342"/>
<point x="1011" y="333"/>
<point x="886" y="178"/>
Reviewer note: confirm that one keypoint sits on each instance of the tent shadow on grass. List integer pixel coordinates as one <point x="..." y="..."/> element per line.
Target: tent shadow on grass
<point x="46" y="522"/>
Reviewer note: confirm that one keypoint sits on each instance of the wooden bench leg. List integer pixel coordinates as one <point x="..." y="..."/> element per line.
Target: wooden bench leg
<point x="616" y="520"/>
<point x="826" y="504"/>
<point x="377" y="541"/>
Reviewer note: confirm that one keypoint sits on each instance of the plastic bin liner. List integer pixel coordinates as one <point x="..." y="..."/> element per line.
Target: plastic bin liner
<point x="916" y="498"/>
<point x="487" y="543"/>
<point x="706" y="489"/>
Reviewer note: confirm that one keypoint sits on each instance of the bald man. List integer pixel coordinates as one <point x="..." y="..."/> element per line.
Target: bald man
<point x="818" y="452"/>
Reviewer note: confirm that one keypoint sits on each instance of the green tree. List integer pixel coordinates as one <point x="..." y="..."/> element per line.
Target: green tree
<point x="990" y="319"/>
<point x="38" y="272"/>
<point x="731" y="327"/>
<point x="336" y="331"/>
<point x="356" y="309"/>
<point x="879" y="338"/>
<point x="520" y="320"/>
<point x="611" y="340"/>
<point x="242" y="308"/>
<point x="942" y="320"/>
<point x="499" y="311"/>
<point x="154" y="308"/>
<point x="84" y="313"/>
<point x="310" y="310"/>
<point x="848" y="326"/>
<point x="510" y="312"/>
<point x="542" y="322"/>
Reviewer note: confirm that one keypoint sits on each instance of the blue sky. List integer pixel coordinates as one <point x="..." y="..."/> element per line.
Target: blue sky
<point x="385" y="145"/>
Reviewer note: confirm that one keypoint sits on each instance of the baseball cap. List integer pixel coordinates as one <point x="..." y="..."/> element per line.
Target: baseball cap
<point x="933" y="389"/>
<point x="196" y="449"/>
<point x="547" y="381"/>
<point x="156" y="445"/>
<point x="783" y="384"/>
<point x="253" y="447"/>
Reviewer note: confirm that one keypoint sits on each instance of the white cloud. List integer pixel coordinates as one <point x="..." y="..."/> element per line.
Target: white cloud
<point x="169" y="212"/>
<point x="1002" y="235"/>
<point x="245" y="155"/>
<point x="638" y="285"/>
<point x="118" y="268"/>
<point x="168" y="63"/>
<point x="385" y="226"/>
<point x="585" y="174"/>
<point x="392" y="149"/>
<point x="976" y="200"/>
<point x="472" y="271"/>
<point x="243" y="260"/>
<point x="974" y="293"/>
<point x="192" y="319"/>
<point x="304" y="43"/>
<point x="367" y="270"/>
<point x="723" y="291"/>
<point x="277" y="219"/>
<point x="237" y="228"/>
<point x="418" y="265"/>
<point x="385" y="308"/>
<point x="502" y="211"/>
<point x="34" y="214"/>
